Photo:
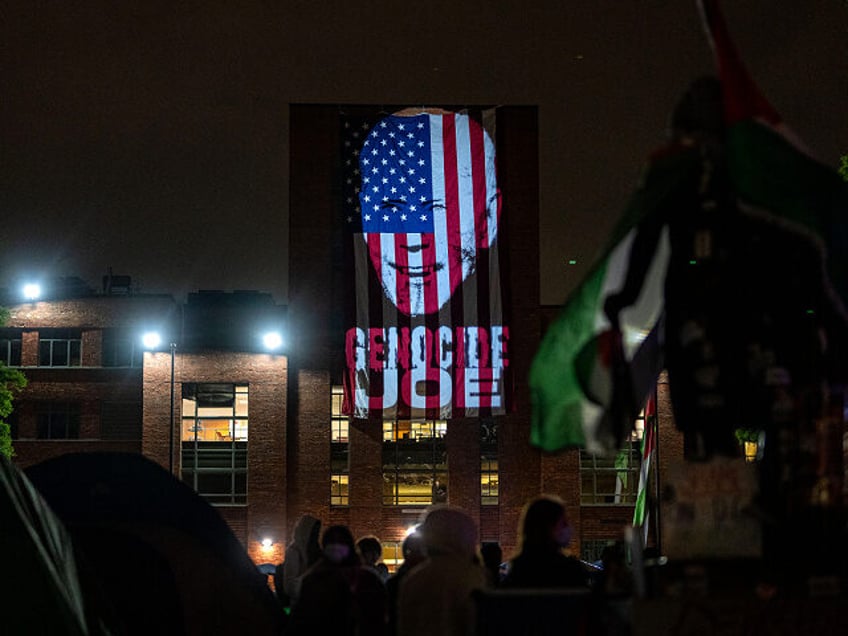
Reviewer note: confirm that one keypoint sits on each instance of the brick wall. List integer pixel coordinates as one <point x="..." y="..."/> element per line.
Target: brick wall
<point x="266" y="377"/>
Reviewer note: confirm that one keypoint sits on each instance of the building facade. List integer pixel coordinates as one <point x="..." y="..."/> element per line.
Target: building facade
<point x="261" y="435"/>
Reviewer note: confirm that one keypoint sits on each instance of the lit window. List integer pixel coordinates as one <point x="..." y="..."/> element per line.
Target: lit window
<point x="339" y="450"/>
<point x="339" y="495"/>
<point x="414" y="462"/>
<point x="613" y="480"/>
<point x="214" y="441"/>
<point x="488" y="462"/>
<point x="392" y="555"/>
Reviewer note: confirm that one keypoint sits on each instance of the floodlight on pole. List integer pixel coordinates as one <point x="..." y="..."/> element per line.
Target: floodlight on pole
<point x="32" y="291"/>
<point x="152" y="341"/>
<point x="272" y="340"/>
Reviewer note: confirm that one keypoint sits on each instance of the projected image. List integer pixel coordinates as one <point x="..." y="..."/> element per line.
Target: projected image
<point x="426" y="337"/>
<point x="428" y="201"/>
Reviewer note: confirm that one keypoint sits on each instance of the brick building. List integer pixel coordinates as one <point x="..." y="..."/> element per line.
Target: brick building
<point x="261" y="435"/>
<point x="93" y="388"/>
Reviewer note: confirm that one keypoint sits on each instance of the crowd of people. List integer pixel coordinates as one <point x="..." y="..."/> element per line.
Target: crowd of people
<point x="331" y="583"/>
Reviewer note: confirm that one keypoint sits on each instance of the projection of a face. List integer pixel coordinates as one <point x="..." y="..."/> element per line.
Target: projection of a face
<point x="429" y="201"/>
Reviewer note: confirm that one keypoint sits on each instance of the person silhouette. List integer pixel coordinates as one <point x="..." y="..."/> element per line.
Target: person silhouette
<point x="545" y="530"/>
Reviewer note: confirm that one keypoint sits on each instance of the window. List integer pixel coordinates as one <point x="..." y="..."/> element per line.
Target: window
<point x="613" y="480"/>
<point x="488" y="462"/>
<point x="339" y="450"/>
<point x="591" y="550"/>
<point x="414" y="462"/>
<point x="57" y="420"/>
<point x="121" y="349"/>
<point x="12" y="421"/>
<point x="214" y="441"/>
<point x="10" y="348"/>
<point x="59" y="348"/>
<point x="120" y="420"/>
<point x="339" y="493"/>
<point x="392" y="555"/>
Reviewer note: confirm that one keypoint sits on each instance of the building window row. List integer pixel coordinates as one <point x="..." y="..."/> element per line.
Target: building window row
<point x="414" y="459"/>
<point x="63" y="348"/>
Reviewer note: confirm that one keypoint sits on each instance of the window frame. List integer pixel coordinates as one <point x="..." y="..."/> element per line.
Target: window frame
<point x="339" y="450"/>
<point x="11" y="348"/>
<point x="50" y="350"/>
<point x="613" y="481"/>
<point x="489" y="479"/>
<point x="221" y="459"/>
<point x="406" y="436"/>
<point x="119" y="347"/>
<point x="53" y="415"/>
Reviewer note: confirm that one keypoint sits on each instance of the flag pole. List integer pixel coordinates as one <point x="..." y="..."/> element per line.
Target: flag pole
<point x="656" y="425"/>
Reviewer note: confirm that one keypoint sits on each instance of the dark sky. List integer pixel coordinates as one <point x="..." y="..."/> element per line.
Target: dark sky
<point x="151" y="137"/>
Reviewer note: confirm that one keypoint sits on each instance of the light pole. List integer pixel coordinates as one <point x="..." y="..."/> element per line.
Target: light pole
<point x="171" y="428"/>
<point x="152" y="341"/>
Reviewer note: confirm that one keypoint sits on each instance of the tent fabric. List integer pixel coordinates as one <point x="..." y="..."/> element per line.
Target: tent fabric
<point x="43" y="592"/>
<point x="166" y="559"/>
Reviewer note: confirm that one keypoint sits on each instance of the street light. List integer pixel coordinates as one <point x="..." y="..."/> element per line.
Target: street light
<point x="152" y="341"/>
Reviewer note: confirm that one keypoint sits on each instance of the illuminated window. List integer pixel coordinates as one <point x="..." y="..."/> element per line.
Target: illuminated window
<point x="57" y="420"/>
<point x="59" y="348"/>
<point x="392" y="555"/>
<point x="415" y="466"/>
<point x="613" y="480"/>
<point x="339" y="490"/>
<point x="214" y="441"/>
<point x="339" y="450"/>
<point x="488" y="462"/>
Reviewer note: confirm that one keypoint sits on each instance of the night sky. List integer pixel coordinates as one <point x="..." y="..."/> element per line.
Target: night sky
<point x="152" y="137"/>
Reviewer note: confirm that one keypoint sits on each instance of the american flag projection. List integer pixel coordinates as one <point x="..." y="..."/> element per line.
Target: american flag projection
<point x="422" y="209"/>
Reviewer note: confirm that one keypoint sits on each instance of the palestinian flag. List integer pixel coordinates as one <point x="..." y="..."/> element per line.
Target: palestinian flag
<point x="589" y="377"/>
<point x="774" y="175"/>
<point x="588" y="373"/>
<point x="649" y="443"/>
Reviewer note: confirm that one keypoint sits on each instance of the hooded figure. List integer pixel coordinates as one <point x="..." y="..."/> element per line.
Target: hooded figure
<point x="338" y="595"/>
<point x="435" y="597"/>
<point x="301" y="554"/>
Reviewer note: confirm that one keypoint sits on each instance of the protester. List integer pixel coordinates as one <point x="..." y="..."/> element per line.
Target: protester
<point x="371" y="551"/>
<point x="545" y="531"/>
<point x="301" y="554"/>
<point x="413" y="552"/>
<point x="435" y="597"/>
<point x="338" y="596"/>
